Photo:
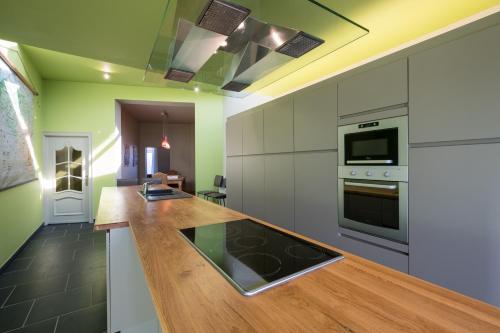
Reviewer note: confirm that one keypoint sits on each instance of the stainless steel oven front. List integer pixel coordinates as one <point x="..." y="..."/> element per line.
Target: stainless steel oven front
<point x="373" y="206"/>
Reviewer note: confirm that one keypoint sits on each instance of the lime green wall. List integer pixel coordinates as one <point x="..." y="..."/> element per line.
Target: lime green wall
<point x="90" y="107"/>
<point x="21" y="206"/>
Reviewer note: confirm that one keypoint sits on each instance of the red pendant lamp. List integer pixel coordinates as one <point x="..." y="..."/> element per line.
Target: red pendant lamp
<point x="164" y="142"/>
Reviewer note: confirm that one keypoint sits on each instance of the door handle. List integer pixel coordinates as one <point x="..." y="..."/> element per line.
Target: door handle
<point x="387" y="187"/>
<point x="86" y="180"/>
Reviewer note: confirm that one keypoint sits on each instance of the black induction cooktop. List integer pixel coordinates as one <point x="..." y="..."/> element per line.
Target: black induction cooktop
<point x="254" y="257"/>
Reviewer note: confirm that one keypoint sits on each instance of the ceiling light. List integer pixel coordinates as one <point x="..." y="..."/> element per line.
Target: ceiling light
<point x="235" y="86"/>
<point x="299" y="45"/>
<point x="164" y="140"/>
<point x="241" y="26"/>
<point x="222" y="17"/>
<point x="196" y="89"/>
<point x="106" y="76"/>
<point x="179" y="75"/>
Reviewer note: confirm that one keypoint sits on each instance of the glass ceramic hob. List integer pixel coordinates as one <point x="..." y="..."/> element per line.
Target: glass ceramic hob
<point x="254" y="257"/>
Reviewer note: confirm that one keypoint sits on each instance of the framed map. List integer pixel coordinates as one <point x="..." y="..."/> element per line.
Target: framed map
<point x="16" y="128"/>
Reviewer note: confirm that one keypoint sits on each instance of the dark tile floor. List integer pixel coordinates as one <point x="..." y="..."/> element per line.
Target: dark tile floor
<point x="57" y="283"/>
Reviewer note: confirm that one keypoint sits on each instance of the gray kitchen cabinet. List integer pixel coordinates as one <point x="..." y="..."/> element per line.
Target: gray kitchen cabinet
<point x="278" y="125"/>
<point x="316" y="195"/>
<point x="454" y="91"/>
<point x="234" y="136"/>
<point x="383" y="256"/>
<point x="315" y="118"/>
<point x="380" y="87"/>
<point x="454" y="224"/>
<point x="279" y="190"/>
<point x="253" y="132"/>
<point x="253" y="186"/>
<point x="234" y="183"/>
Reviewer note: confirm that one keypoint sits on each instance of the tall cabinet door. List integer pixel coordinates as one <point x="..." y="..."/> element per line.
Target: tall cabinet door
<point x="278" y="126"/>
<point x="253" y="132"/>
<point x="454" y="91"/>
<point x="384" y="86"/>
<point x="234" y="136"/>
<point x="315" y="118"/>
<point x="279" y="190"/>
<point x="253" y="186"/>
<point x="316" y="195"/>
<point x="234" y="185"/>
<point x="454" y="222"/>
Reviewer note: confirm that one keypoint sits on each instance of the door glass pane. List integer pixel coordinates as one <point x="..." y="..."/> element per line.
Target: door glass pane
<point x="76" y="169"/>
<point x="76" y="155"/>
<point x="61" y="170"/>
<point x="62" y="155"/>
<point x="61" y="184"/>
<point x="76" y="184"/>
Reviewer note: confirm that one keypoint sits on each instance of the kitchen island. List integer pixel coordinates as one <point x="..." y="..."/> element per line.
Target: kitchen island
<point x="189" y="295"/>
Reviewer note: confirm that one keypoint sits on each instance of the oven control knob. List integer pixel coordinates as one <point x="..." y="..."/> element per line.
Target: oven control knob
<point x="353" y="172"/>
<point x="387" y="174"/>
<point x="369" y="173"/>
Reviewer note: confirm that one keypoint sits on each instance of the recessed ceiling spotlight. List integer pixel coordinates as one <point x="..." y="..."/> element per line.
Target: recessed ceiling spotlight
<point x="106" y="76"/>
<point x="222" y="17"/>
<point x="196" y="89"/>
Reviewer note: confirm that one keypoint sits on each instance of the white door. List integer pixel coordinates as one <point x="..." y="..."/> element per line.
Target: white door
<point x="66" y="174"/>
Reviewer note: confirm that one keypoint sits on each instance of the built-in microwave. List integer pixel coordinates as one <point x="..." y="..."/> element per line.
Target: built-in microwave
<point x="380" y="142"/>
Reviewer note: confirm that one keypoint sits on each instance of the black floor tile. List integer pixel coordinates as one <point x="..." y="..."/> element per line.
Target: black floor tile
<point x="89" y="277"/>
<point x="54" y="234"/>
<point x="46" y="326"/>
<point x="13" y="278"/>
<point x="60" y="303"/>
<point x="18" y="265"/>
<point x="13" y="316"/>
<point x="80" y="244"/>
<point x="58" y="277"/>
<point x="4" y="293"/>
<point x="90" y="320"/>
<point x="99" y="292"/>
<point x="60" y="240"/>
<point x="37" y="289"/>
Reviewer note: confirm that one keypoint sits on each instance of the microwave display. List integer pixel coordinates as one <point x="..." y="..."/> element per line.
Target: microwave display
<point x="377" y="147"/>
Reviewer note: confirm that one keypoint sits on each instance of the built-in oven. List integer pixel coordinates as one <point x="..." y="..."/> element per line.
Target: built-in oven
<point x="373" y="180"/>
<point x="380" y="142"/>
<point x="373" y="207"/>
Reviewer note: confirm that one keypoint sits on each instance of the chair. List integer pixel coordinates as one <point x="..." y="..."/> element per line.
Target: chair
<point x="219" y="196"/>
<point x="217" y="183"/>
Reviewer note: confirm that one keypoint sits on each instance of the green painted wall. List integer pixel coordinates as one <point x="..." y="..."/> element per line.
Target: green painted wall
<point x="21" y="206"/>
<point x="90" y="107"/>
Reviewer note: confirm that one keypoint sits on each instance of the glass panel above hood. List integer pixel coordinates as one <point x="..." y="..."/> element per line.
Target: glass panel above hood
<point x="224" y="46"/>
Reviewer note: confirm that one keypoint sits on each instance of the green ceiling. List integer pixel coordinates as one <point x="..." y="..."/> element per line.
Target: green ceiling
<point x="117" y="31"/>
<point x="119" y="35"/>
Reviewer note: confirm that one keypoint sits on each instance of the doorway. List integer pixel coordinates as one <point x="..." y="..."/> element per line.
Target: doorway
<point x="67" y="181"/>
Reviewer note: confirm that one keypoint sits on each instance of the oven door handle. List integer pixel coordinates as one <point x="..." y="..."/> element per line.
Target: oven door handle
<point x="387" y="187"/>
<point x="369" y="161"/>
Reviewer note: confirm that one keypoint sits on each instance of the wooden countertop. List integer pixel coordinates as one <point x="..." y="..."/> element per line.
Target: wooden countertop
<point x="352" y="295"/>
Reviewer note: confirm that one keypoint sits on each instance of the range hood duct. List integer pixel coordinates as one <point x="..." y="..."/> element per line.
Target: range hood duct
<point x="194" y="47"/>
<point x="222" y="17"/>
<point x="252" y="63"/>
